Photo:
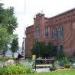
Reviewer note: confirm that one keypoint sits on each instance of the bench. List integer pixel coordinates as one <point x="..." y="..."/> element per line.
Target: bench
<point x="44" y="63"/>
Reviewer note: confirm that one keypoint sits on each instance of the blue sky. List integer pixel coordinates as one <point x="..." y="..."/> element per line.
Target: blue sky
<point x="25" y="11"/>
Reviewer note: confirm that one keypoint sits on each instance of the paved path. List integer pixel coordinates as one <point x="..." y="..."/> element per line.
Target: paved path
<point x="42" y="70"/>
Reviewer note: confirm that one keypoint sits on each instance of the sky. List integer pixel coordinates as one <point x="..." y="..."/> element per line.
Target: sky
<point x="25" y="11"/>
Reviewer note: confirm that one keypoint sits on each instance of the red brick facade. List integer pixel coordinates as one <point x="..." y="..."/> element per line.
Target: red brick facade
<point x="29" y="40"/>
<point x="59" y="30"/>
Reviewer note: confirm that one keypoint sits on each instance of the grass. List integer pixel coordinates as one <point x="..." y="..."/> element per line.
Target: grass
<point x="59" y="72"/>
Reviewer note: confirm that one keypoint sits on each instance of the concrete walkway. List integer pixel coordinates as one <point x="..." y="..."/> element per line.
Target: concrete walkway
<point x="42" y="70"/>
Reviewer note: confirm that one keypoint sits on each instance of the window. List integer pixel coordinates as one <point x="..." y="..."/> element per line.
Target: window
<point x="37" y="29"/>
<point x="46" y="31"/>
<point x="37" y="32"/>
<point x="60" y="32"/>
<point x="52" y="34"/>
<point x="57" y="33"/>
<point x="60" y="49"/>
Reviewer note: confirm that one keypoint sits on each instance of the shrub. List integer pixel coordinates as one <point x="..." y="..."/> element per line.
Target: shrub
<point x="15" y="70"/>
<point x="67" y="66"/>
<point x="66" y="62"/>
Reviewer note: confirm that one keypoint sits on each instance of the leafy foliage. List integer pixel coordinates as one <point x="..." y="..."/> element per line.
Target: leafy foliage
<point x="43" y="50"/>
<point x="8" y="23"/>
<point x="60" y="54"/>
<point x="15" y="70"/>
<point x="51" y="50"/>
<point x="4" y="38"/>
<point x="7" y="19"/>
<point x="14" y="45"/>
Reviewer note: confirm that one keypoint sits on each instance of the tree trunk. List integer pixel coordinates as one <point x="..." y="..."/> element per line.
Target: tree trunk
<point x="12" y="55"/>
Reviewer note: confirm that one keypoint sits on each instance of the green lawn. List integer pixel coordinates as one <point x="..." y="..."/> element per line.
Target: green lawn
<point x="60" y="72"/>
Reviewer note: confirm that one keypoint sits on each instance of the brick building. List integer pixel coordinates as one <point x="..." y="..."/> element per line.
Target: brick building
<point x="29" y="40"/>
<point x="59" y="30"/>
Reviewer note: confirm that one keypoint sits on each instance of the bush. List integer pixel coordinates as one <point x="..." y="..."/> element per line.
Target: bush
<point x="67" y="66"/>
<point x="15" y="70"/>
<point x="66" y="62"/>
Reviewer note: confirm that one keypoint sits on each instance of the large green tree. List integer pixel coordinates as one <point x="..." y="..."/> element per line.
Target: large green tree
<point x="8" y="24"/>
<point x="8" y="19"/>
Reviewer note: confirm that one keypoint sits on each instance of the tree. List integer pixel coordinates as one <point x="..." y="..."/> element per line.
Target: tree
<point x="36" y="49"/>
<point x="7" y="19"/>
<point x="51" y="50"/>
<point x="4" y="38"/>
<point x="8" y="24"/>
<point x="14" y="46"/>
<point x="60" y="53"/>
<point x="43" y="50"/>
